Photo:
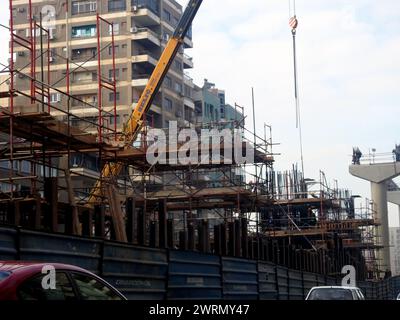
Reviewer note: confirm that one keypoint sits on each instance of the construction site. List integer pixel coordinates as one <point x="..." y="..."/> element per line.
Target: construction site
<point x="79" y="105"/>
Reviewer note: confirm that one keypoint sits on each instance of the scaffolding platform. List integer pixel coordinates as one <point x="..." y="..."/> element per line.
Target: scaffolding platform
<point x="136" y="157"/>
<point x="41" y="128"/>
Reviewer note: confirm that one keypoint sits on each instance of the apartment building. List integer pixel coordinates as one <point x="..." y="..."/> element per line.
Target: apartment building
<point x="141" y="29"/>
<point x="211" y="107"/>
<point x="4" y="87"/>
<point x="394" y="234"/>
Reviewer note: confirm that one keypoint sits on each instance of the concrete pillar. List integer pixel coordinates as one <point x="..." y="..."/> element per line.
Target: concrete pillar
<point x="394" y="197"/>
<point x="379" y="175"/>
<point x="379" y="196"/>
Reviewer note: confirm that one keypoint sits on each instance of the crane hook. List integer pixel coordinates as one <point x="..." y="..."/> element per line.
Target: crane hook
<point x="293" y="23"/>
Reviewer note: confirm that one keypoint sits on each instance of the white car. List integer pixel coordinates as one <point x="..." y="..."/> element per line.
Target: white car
<point x="335" y="293"/>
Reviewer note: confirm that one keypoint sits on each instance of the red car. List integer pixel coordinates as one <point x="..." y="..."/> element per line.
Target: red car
<point x="52" y="281"/>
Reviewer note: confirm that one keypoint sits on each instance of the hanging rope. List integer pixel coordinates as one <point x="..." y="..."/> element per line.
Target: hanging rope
<point x="293" y="23"/>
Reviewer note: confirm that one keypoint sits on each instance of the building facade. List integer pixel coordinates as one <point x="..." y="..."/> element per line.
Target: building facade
<point x="141" y="30"/>
<point x="211" y="107"/>
<point x="4" y="88"/>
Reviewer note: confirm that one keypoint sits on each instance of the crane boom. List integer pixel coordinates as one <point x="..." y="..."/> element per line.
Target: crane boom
<point x="135" y="121"/>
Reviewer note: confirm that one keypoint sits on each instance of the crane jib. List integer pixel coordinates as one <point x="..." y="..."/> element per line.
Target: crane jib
<point x="134" y="123"/>
<point x="144" y="100"/>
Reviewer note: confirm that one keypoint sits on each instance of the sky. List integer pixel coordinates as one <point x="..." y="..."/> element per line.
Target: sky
<point x="349" y="74"/>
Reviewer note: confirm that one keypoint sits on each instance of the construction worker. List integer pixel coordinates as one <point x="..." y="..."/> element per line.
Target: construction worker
<point x="357" y="154"/>
<point x="396" y="152"/>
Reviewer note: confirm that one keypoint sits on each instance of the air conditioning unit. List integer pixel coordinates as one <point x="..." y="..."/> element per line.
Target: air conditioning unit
<point x="51" y="59"/>
<point x="21" y="76"/>
<point x="21" y="54"/>
<point x="135" y="8"/>
<point x="21" y="10"/>
<point x="134" y="30"/>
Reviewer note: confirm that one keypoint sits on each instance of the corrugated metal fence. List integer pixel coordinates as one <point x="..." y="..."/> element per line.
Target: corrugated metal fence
<point x="194" y="276"/>
<point x="157" y="274"/>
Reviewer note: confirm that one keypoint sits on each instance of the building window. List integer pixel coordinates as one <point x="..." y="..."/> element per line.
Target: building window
<point x="175" y="21"/>
<point x="168" y="82"/>
<point x="116" y="5"/>
<point x="79" y="7"/>
<point x="111" y="98"/>
<point x="178" y="87"/>
<point x="55" y="97"/>
<point x="84" y="31"/>
<point x="168" y="104"/>
<point x="116" y="29"/>
<point x="112" y="120"/>
<point x="178" y="65"/>
<point x="111" y="74"/>
<point x="116" y="49"/>
<point x="85" y="53"/>
<point x="167" y="15"/>
<point x="37" y="32"/>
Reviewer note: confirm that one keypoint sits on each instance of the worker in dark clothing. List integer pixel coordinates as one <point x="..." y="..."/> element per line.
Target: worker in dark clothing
<point x="396" y="152"/>
<point x="357" y="154"/>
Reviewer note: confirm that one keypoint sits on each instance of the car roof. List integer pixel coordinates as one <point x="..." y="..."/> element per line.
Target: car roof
<point x="18" y="266"/>
<point x="336" y="287"/>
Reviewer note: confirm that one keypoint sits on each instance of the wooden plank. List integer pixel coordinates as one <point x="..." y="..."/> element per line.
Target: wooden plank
<point x="35" y="126"/>
<point x="116" y="213"/>
<point x="76" y="226"/>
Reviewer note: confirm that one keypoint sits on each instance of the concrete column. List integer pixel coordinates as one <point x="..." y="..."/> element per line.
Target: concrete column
<point x="379" y="196"/>
<point x="394" y="197"/>
<point x="379" y="175"/>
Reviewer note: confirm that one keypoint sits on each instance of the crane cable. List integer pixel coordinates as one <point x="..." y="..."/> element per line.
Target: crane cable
<point x="293" y="23"/>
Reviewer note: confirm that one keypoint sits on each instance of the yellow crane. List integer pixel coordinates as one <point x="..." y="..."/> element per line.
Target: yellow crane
<point x="135" y="121"/>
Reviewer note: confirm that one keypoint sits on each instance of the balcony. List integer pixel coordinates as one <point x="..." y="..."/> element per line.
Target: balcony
<point x="174" y="5"/>
<point x="188" y="103"/>
<point x="144" y="16"/>
<point x="145" y="37"/>
<point x="187" y="62"/>
<point x="140" y="81"/>
<point x="187" y="80"/>
<point x="155" y="107"/>
<point x="144" y="58"/>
